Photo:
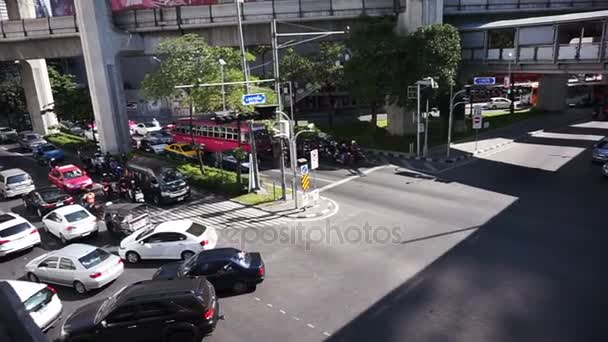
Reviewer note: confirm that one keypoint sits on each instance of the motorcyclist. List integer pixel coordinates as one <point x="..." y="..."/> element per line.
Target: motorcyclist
<point x="89" y="198"/>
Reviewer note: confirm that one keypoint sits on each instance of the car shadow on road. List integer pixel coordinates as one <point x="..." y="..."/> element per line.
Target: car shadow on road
<point x="535" y="271"/>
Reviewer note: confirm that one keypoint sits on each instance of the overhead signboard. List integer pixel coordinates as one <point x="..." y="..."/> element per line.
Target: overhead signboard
<point x="253" y="99"/>
<point x="484" y="80"/>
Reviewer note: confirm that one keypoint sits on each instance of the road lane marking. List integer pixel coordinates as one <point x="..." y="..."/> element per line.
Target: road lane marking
<point x="312" y="175"/>
<point x="348" y="179"/>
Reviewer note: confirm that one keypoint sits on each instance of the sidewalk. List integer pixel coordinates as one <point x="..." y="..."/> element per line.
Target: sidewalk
<point x="492" y="139"/>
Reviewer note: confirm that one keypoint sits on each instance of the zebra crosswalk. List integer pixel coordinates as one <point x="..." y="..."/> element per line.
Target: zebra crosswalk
<point x="224" y="214"/>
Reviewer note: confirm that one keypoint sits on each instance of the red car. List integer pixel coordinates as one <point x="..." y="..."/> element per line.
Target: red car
<point x="70" y="178"/>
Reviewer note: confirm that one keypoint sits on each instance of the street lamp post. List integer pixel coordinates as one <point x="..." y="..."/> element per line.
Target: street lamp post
<point x="242" y="44"/>
<point x="427" y="82"/>
<point x="451" y="117"/>
<point x="316" y="34"/>
<point x="511" y="97"/>
<point x="222" y="64"/>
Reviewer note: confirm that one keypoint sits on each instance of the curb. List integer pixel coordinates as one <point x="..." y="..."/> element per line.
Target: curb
<point x="315" y="215"/>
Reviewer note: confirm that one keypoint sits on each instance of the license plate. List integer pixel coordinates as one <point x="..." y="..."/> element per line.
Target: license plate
<point x="86" y="234"/>
<point x="59" y="204"/>
<point x="180" y="198"/>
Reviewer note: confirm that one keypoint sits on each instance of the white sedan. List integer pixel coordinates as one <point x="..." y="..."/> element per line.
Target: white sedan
<point x="80" y="266"/>
<point x="40" y="301"/>
<point x="169" y="240"/>
<point x="16" y="234"/>
<point x="144" y="128"/>
<point x="70" y="222"/>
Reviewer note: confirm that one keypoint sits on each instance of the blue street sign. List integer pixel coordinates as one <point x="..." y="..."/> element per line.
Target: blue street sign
<point x="253" y="99"/>
<point x="484" y="80"/>
<point x="304" y="169"/>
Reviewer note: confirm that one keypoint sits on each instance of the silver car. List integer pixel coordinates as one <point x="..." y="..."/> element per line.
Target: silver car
<point x="80" y="266"/>
<point x="599" y="153"/>
<point x="30" y="140"/>
<point x="7" y="134"/>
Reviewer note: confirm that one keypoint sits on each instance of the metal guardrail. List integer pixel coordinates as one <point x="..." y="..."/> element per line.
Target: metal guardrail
<point x="42" y="27"/>
<point x="485" y="6"/>
<point x="181" y="17"/>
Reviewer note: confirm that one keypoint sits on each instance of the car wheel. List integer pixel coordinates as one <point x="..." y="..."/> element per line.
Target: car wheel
<point x="63" y="239"/>
<point x="79" y="287"/>
<point x="494" y="107"/>
<point x="2" y="196"/>
<point x="32" y="277"/>
<point x="133" y="257"/>
<point x="39" y="212"/>
<point x="239" y="287"/>
<point x="25" y="205"/>
<point x="187" y="255"/>
<point x="156" y="200"/>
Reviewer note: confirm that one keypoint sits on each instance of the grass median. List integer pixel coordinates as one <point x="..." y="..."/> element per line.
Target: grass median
<point x="220" y="181"/>
<point x="68" y="141"/>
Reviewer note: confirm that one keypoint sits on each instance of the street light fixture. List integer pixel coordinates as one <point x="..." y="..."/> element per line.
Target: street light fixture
<point x="222" y="64"/>
<point x="426" y="82"/>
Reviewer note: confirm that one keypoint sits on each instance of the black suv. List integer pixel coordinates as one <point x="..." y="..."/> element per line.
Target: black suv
<point x="152" y="310"/>
<point x="226" y="268"/>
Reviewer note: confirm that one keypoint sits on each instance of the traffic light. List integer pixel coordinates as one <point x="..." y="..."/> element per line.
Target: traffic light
<point x="265" y="112"/>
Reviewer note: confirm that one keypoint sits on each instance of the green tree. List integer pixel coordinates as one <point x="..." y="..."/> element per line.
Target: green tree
<point x="297" y="68"/>
<point x="12" y="96"/>
<point x="188" y="59"/>
<point x="329" y="72"/>
<point x="366" y="73"/>
<point x="71" y="101"/>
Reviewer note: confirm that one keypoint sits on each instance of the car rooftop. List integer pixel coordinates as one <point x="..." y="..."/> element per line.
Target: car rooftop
<point x="74" y="250"/>
<point x="46" y="188"/>
<point x="11" y="172"/>
<point x="72" y="208"/>
<point x="150" y="288"/>
<point x="174" y="226"/>
<point x="24" y="289"/>
<point x="217" y="253"/>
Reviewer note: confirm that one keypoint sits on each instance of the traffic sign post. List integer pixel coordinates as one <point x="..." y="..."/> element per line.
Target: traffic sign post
<point x="477" y="122"/>
<point x="305" y="178"/>
<point x="253" y="99"/>
<point x="484" y="80"/>
<point x="314" y="159"/>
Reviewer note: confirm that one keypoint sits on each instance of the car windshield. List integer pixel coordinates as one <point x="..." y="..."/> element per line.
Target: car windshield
<point x="144" y="233"/>
<point x="17" y="178"/>
<point x="171" y="176"/>
<point x="75" y="173"/>
<point x="94" y="258"/>
<point x="31" y="137"/>
<point x="38" y="299"/>
<point x="603" y="144"/>
<point x="107" y="306"/>
<point x="4" y="129"/>
<point x="76" y="216"/>
<point x="186" y="148"/>
<point x="155" y="142"/>
<point x="13" y="230"/>
<point x="47" y="148"/>
<point x="187" y="265"/>
<point x="149" y="125"/>
<point x="52" y="195"/>
<point x="196" y="229"/>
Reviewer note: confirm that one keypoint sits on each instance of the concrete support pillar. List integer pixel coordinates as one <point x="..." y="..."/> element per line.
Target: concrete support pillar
<point x="419" y="13"/>
<point x="552" y="92"/>
<point x="101" y="47"/>
<point x="34" y="74"/>
<point x="38" y="94"/>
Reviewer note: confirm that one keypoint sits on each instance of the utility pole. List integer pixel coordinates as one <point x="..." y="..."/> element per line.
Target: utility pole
<point x="418" y="120"/>
<point x="242" y="44"/>
<point x="426" y="130"/>
<point x="277" y="89"/>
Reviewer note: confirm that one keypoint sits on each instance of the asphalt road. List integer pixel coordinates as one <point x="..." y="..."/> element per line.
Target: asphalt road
<point x="506" y="247"/>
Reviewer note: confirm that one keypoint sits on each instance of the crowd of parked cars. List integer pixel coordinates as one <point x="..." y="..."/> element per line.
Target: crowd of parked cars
<point x="181" y="298"/>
